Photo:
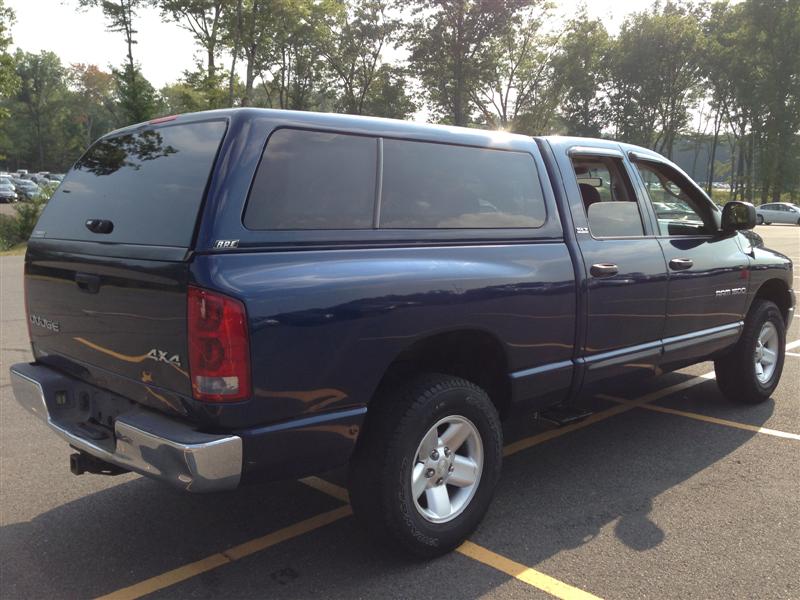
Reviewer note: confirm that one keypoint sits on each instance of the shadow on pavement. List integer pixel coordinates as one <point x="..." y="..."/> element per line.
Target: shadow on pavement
<point x="552" y="497"/>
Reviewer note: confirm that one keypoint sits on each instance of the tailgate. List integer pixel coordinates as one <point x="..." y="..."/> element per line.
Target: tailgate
<point x="122" y="318"/>
<point x="107" y="266"/>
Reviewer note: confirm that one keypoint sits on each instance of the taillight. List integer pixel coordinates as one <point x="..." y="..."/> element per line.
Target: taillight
<point x="219" y="351"/>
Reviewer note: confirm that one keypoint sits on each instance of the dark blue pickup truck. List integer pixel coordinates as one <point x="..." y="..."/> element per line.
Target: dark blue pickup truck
<point x="232" y="296"/>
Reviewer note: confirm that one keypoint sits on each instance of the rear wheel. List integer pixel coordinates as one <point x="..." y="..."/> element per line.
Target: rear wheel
<point x="752" y="370"/>
<point x="424" y="472"/>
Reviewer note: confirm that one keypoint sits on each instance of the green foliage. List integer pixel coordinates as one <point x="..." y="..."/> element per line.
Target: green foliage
<point x="581" y="70"/>
<point x="136" y="97"/>
<point x="451" y="44"/>
<point x="656" y="71"/>
<point x="9" y="82"/>
<point x="18" y="228"/>
<point x="519" y="92"/>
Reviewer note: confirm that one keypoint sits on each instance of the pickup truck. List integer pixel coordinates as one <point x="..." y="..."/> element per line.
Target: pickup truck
<point x="234" y="296"/>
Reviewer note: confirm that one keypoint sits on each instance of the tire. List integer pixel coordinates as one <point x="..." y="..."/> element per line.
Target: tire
<point x="759" y="220"/>
<point x="397" y="433"/>
<point x="738" y="375"/>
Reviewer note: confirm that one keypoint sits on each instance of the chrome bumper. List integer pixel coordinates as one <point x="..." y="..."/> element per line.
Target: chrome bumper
<point x="143" y="441"/>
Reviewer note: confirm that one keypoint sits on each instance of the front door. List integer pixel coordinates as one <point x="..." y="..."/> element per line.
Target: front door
<point x="626" y="273"/>
<point x="708" y="270"/>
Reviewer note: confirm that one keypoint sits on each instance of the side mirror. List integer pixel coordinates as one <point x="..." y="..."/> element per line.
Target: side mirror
<point x="738" y="215"/>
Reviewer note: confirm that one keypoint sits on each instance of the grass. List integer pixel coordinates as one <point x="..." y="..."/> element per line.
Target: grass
<point x="16" y="250"/>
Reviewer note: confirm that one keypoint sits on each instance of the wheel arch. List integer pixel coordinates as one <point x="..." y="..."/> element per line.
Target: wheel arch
<point x="476" y="355"/>
<point x="777" y="291"/>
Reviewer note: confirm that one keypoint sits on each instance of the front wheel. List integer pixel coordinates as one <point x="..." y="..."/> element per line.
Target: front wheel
<point x="424" y="473"/>
<point x="750" y="372"/>
<point x="759" y="220"/>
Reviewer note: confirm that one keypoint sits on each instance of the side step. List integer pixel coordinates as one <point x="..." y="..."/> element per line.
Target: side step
<point x="563" y="415"/>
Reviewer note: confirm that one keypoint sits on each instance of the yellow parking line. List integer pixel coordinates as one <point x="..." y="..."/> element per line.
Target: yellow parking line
<point x="159" y="582"/>
<point x="326" y="487"/>
<point x="523" y="573"/>
<point x="707" y="419"/>
<point x="508" y="566"/>
<point x="532" y="577"/>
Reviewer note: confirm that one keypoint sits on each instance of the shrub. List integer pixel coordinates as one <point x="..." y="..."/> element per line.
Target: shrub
<point x="27" y="215"/>
<point x="8" y="232"/>
<point x="17" y="229"/>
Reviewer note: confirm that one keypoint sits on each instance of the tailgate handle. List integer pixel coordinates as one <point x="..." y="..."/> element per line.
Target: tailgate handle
<point x="88" y="283"/>
<point x="99" y="225"/>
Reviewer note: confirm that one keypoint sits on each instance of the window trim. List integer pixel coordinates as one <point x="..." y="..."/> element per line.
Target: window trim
<point x="609" y="153"/>
<point x="316" y="236"/>
<point x="644" y="158"/>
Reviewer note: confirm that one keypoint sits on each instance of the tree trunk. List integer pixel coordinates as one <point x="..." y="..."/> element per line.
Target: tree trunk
<point x="713" y="155"/>
<point x="235" y="51"/>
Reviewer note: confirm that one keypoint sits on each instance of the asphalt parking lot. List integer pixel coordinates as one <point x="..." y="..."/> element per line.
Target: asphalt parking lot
<point x="668" y="491"/>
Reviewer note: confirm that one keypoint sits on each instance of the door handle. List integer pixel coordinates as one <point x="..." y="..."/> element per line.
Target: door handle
<point x="88" y="283"/>
<point x="604" y="270"/>
<point x="680" y="264"/>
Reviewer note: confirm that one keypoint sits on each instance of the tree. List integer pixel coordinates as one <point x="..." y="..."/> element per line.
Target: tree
<point x="9" y="82"/>
<point x="352" y="39"/>
<point x="581" y="68"/>
<point x="450" y="44"/>
<point x="387" y="96"/>
<point x="36" y="136"/>
<point x="520" y="92"/>
<point x="656" y="70"/>
<point x="136" y="95"/>
<point x="204" y="19"/>
<point x="92" y="103"/>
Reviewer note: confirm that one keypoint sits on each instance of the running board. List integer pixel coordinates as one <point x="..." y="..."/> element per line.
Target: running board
<point x="563" y="415"/>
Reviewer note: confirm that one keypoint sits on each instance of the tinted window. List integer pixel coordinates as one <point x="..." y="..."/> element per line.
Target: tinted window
<point x="608" y="198"/>
<point x="440" y="186"/>
<point x="148" y="183"/>
<point x="678" y="208"/>
<point x="314" y="180"/>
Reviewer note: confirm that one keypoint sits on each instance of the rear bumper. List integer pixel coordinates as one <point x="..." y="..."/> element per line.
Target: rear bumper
<point x="141" y="440"/>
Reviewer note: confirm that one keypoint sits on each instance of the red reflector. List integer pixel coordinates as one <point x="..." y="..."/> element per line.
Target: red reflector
<point x="162" y="120"/>
<point x="219" y="350"/>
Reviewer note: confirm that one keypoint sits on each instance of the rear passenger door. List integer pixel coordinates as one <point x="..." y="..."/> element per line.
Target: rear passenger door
<point x="626" y="273"/>
<point x="708" y="270"/>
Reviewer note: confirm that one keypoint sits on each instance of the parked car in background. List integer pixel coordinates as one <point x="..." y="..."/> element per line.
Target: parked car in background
<point x="778" y="212"/>
<point x="7" y="191"/>
<point x="26" y="189"/>
<point x="39" y="179"/>
<point x="56" y="177"/>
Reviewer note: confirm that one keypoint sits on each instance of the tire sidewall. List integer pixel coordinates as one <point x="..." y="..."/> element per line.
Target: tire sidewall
<point x="470" y="403"/>
<point x="768" y="312"/>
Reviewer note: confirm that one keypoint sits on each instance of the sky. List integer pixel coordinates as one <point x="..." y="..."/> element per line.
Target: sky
<point x="165" y="50"/>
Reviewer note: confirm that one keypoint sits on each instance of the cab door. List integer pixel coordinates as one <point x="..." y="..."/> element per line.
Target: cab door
<point x="626" y="276"/>
<point x="708" y="270"/>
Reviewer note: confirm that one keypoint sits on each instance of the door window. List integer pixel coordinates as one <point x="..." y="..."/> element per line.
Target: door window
<point x="608" y="198"/>
<point x="678" y="207"/>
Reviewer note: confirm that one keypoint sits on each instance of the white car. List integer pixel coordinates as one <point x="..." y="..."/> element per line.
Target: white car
<point x="778" y="212"/>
